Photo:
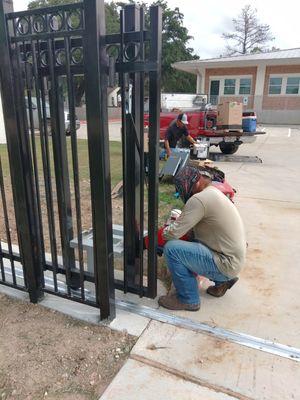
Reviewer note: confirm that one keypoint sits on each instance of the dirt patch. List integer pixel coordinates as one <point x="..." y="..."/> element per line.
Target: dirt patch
<point x="47" y="355"/>
<point x="258" y="273"/>
<point x="221" y="351"/>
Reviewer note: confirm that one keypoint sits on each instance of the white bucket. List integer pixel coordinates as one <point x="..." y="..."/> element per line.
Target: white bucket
<point x="201" y="150"/>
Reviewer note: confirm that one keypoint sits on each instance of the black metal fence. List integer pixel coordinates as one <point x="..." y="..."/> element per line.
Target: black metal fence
<point x="43" y="52"/>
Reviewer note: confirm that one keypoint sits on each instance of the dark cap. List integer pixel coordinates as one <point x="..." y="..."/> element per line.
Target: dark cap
<point x="185" y="180"/>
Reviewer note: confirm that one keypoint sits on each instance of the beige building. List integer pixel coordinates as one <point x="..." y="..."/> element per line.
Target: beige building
<point x="268" y="83"/>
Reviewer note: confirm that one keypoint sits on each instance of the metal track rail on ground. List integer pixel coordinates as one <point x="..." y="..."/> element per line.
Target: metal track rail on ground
<point x="242" y="339"/>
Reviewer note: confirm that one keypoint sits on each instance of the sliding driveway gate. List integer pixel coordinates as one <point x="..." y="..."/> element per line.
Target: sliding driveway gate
<point x="44" y="52"/>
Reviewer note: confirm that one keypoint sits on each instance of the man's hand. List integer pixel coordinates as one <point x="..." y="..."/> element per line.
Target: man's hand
<point x="190" y="139"/>
<point x="167" y="147"/>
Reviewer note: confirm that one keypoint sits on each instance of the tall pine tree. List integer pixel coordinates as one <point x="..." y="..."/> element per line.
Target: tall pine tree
<point x="248" y="36"/>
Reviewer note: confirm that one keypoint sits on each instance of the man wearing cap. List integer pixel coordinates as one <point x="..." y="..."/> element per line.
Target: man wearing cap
<point x="175" y="131"/>
<point x="218" y="248"/>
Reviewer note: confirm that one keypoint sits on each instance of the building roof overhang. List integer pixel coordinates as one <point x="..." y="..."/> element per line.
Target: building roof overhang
<point x="283" y="57"/>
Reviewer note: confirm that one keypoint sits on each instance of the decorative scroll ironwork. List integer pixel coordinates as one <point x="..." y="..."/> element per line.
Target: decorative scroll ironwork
<point x="52" y="20"/>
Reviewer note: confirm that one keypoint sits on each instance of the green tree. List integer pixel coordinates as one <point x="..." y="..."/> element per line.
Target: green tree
<point x="111" y="11"/>
<point x="174" y="48"/>
<point x="112" y="19"/>
<point x="47" y="3"/>
<point x="265" y="50"/>
<point x="175" y="38"/>
<point x="249" y="34"/>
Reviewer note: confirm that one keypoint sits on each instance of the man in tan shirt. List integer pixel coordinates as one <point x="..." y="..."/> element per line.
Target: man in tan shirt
<point x="218" y="248"/>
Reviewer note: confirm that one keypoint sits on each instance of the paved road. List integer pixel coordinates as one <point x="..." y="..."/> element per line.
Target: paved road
<point x="114" y="131"/>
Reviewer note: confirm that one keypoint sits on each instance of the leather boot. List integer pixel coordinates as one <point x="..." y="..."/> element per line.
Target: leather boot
<point x="172" y="303"/>
<point x="220" y="290"/>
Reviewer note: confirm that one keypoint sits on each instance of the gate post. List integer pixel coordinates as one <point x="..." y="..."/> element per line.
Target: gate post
<point x="133" y="209"/>
<point x="154" y="129"/>
<point x="12" y="90"/>
<point x="98" y="143"/>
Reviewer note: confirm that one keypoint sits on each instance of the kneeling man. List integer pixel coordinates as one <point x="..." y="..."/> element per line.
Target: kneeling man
<point x="218" y="248"/>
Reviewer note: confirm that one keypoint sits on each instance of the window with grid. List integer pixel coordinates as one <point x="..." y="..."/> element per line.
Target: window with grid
<point x="245" y="86"/>
<point x="229" y="86"/>
<point x="292" y="85"/>
<point x="275" y="85"/>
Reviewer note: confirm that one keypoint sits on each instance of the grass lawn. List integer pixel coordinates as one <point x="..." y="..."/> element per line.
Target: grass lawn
<point x="167" y="201"/>
<point x="115" y="156"/>
<point x="166" y="192"/>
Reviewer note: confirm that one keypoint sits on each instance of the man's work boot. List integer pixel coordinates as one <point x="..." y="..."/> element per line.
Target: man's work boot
<point x="220" y="290"/>
<point x="172" y="303"/>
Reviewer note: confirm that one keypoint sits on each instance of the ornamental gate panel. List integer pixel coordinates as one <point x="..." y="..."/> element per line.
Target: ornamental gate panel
<point x="45" y="55"/>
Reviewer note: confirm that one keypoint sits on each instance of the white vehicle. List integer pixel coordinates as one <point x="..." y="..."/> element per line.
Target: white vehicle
<point x="36" y="116"/>
<point x="182" y="101"/>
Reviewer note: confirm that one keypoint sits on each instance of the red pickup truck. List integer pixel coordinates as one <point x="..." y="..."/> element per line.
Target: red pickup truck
<point x="203" y="124"/>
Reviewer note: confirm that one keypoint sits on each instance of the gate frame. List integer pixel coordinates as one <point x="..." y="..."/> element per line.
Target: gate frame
<point x="97" y="121"/>
<point x="25" y="194"/>
<point x="20" y="166"/>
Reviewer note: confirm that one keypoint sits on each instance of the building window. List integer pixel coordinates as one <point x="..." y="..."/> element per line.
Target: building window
<point x="229" y="86"/>
<point x="245" y="86"/>
<point x="292" y="85"/>
<point x="275" y="85"/>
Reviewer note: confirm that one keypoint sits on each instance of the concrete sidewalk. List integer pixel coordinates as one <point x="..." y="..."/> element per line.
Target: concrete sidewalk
<point x="175" y="363"/>
<point x="114" y="128"/>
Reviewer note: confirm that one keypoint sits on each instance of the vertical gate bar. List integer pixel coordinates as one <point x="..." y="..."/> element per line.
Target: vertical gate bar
<point x="1" y="264"/>
<point x="95" y="61"/>
<point x="7" y="228"/>
<point x="20" y="163"/>
<point x="154" y="126"/>
<point x="20" y="71"/>
<point x="3" y="199"/>
<point x="124" y="156"/>
<point x="19" y="91"/>
<point x="42" y="116"/>
<point x="132" y="206"/>
<point x="61" y="169"/>
<point x="29" y="83"/>
<point x="142" y="158"/>
<point x="72" y="119"/>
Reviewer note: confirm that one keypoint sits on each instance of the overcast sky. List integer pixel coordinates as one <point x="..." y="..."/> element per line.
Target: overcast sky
<point x="207" y="20"/>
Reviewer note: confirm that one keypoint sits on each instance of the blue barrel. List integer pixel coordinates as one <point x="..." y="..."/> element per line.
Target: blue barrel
<point x="249" y="124"/>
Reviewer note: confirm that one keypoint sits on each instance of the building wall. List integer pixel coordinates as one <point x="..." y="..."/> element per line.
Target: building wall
<point x="210" y="72"/>
<point x="239" y="99"/>
<point x="279" y="117"/>
<point x="272" y="109"/>
<point x="280" y="102"/>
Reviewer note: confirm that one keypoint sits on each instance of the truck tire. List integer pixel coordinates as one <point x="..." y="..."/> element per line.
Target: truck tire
<point x="228" y="148"/>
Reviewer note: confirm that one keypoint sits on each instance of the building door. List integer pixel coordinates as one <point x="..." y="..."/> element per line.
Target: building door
<point x="214" y="91"/>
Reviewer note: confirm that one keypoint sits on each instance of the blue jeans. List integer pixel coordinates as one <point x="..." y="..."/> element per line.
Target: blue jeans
<point x="186" y="258"/>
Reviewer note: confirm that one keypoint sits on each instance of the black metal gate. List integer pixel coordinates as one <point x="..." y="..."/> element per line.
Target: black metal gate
<point x="44" y="52"/>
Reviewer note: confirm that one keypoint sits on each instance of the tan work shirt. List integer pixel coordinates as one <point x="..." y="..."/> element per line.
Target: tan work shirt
<point x="217" y="224"/>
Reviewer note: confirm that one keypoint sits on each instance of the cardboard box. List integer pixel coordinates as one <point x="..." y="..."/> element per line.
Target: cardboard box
<point x="230" y="115"/>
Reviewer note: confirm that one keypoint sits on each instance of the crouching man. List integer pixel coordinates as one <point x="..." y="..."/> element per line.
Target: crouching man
<point x="218" y="248"/>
